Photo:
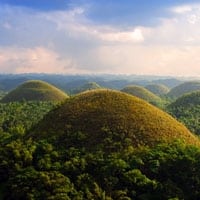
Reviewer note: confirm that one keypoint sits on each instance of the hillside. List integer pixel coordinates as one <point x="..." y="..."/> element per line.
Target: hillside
<point x="109" y="119"/>
<point x="187" y="110"/>
<point x="85" y="87"/>
<point x="157" y="89"/>
<point x="142" y="93"/>
<point x="184" y="88"/>
<point x="35" y="90"/>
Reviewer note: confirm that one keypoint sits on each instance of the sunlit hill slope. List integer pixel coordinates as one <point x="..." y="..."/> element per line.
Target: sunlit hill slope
<point x="35" y="90"/>
<point x="110" y="120"/>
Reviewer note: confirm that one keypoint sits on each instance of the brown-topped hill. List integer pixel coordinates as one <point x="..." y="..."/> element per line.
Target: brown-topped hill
<point x="35" y="90"/>
<point x="109" y="119"/>
<point x="142" y="93"/>
<point x="157" y="89"/>
<point x="184" y="88"/>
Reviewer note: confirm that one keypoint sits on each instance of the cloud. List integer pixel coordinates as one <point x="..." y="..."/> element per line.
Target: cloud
<point x="154" y="60"/>
<point x="182" y="9"/>
<point x="128" y="36"/>
<point x="76" y="25"/>
<point x="68" y="41"/>
<point x="39" y="59"/>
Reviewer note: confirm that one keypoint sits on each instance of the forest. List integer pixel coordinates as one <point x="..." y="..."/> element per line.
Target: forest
<point x="60" y="162"/>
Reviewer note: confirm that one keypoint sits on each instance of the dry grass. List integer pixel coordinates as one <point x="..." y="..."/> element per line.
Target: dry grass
<point x="107" y="117"/>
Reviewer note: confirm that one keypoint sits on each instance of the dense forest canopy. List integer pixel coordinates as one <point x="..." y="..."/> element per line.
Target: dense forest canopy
<point x="187" y="110"/>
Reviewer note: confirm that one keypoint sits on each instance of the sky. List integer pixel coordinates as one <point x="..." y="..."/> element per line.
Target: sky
<point x="143" y="37"/>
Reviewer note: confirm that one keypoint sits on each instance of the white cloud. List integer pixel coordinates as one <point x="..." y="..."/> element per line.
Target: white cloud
<point x="38" y="59"/>
<point x="194" y="18"/>
<point x="182" y="9"/>
<point x="128" y="36"/>
<point x="68" y="42"/>
<point x="75" y="25"/>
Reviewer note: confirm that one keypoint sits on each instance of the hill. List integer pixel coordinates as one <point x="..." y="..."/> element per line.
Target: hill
<point x="186" y="109"/>
<point x="157" y="89"/>
<point x="142" y="93"/>
<point x="85" y="87"/>
<point x="184" y="88"/>
<point x="110" y="120"/>
<point x="35" y="90"/>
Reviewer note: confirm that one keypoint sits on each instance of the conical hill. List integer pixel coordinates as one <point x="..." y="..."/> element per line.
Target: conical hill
<point x="85" y="87"/>
<point x="142" y="93"/>
<point x="184" y="88"/>
<point x="157" y="89"/>
<point x="109" y="119"/>
<point x="35" y="90"/>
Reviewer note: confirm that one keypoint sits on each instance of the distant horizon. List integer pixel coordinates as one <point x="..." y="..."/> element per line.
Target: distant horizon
<point x="103" y="37"/>
<point x="101" y="74"/>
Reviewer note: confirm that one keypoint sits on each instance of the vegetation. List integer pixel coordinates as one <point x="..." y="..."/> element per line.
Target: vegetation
<point x="157" y="89"/>
<point x="142" y="93"/>
<point x="187" y="110"/>
<point x="184" y="88"/>
<point x="118" y="118"/>
<point x="102" y="145"/>
<point x="41" y="170"/>
<point x="2" y="94"/>
<point x="21" y="116"/>
<point x="35" y="91"/>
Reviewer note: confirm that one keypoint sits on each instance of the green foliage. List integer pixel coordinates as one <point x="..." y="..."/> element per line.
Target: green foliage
<point x="35" y="91"/>
<point x="2" y="94"/>
<point x="187" y="110"/>
<point x="17" y="117"/>
<point x="165" y="171"/>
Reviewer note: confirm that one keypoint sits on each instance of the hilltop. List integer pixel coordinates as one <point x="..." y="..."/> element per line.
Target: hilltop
<point x="110" y="120"/>
<point x="85" y="87"/>
<point x="186" y="109"/>
<point x="142" y="93"/>
<point x="35" y="90"/>
<point x="157" y="89"/>
<point x="184" y="88"/>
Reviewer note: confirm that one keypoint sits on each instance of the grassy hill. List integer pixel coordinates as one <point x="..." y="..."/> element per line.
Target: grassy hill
<point x="111" y="120"/>
<point x="142" y="93"/>
<point x="35" y="90"/>
<point x="157" y="89"/>
<point x="184" y="88"/>
<point x="85" y="87"/>
<point x="187" y="110"/>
